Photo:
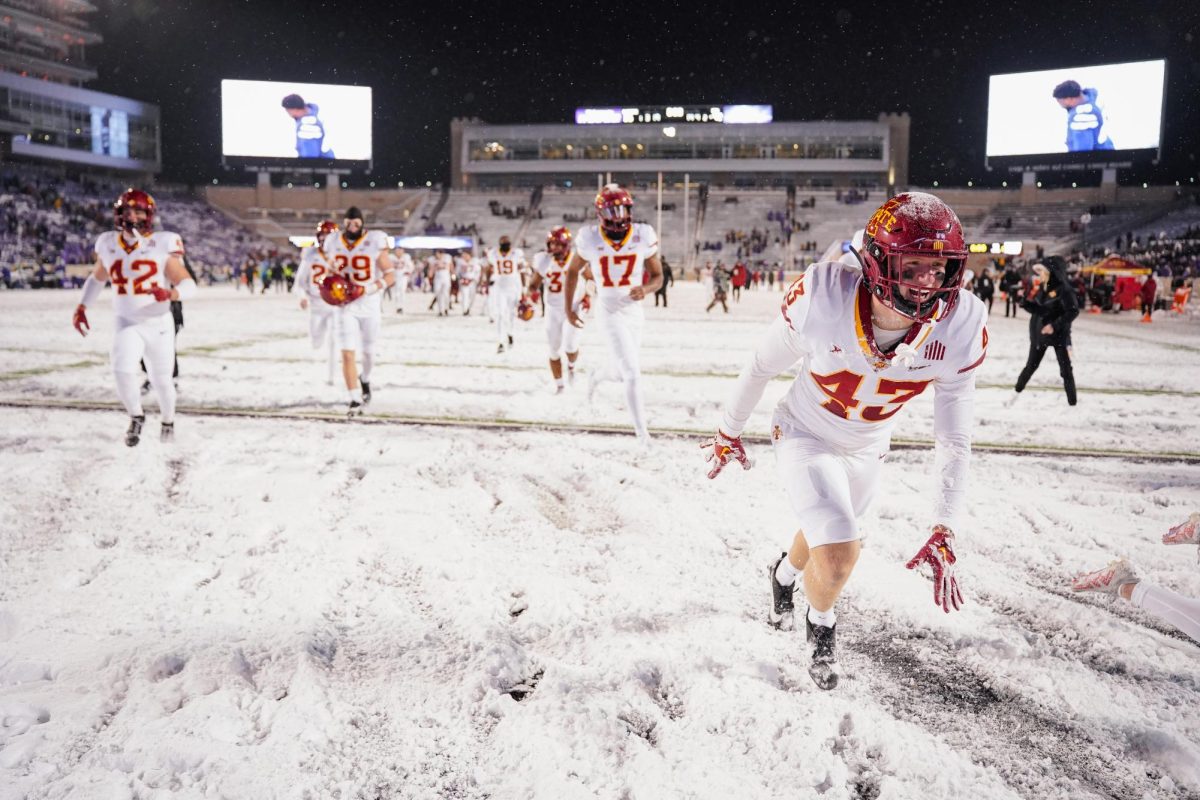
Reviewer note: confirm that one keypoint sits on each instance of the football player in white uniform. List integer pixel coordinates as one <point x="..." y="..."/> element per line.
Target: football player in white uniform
<point x="506" y="284"/>
<point x="147" y="272"/>
<point x="441" y="265"/>
<point x="404" y="271"/>
<point x="549" y="274"/>
<point x="622" y="258"/>
<point x="468" y="281"/>
<point x="868" y="339"/>
<point x="321" y="315"/>
<point x="365" y="259"/>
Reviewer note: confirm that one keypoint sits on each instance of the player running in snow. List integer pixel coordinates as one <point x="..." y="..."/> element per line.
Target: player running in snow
<point x="147" y="272"/>
<point x="549" y="274"/>
<point x="621" y="256"/>
<point x="322" y="317"/>
<point x="868" y="339"/>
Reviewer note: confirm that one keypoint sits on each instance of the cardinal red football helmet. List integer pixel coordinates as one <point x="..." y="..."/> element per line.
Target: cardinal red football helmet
<point x="134" y="199"/>
<point x="324" y="228"/>
<point x="912" y="224"/>
<point x="525" y="310"/>
<point x="558" y="241"/>
<point x="614" y="206"/>
<point x="337" y="290"/>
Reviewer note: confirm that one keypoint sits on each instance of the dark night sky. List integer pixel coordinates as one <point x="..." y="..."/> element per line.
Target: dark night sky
<point x="533" y="62"/>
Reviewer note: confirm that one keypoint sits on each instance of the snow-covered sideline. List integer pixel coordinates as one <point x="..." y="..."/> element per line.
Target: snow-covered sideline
<point x="280" y="608"/>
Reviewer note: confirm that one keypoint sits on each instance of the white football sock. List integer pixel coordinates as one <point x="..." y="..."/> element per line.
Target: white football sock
<point x="633" y="398"/>
<point x="785" y="573"/>
<point x="368" y="361"/>
<point x="826" y="618"/>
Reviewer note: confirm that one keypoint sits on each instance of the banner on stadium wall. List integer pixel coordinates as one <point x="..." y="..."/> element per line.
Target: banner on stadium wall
<point x="1115" y="265"/>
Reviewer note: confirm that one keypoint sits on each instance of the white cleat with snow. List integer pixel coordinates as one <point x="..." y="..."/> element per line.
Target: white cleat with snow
<point x="1107" y="580"/>
<point x="1185" y="532"/>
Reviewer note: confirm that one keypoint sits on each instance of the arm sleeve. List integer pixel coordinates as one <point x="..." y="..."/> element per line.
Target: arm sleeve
<point x="1070" y="306"/>
<point x="186" y="289"/>
<point x="779" y="349"/>
<point x="953" y="416"/>
<point x="91" y="290"/>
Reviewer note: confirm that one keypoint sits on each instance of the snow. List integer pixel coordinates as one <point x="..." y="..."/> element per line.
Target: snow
<point x="297" y="607"/>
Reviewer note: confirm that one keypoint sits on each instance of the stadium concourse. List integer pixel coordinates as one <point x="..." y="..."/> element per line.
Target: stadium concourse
<point x="477" y="590"/>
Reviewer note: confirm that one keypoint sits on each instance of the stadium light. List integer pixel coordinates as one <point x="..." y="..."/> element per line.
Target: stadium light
<point x="1074" y="185"/>
<point x="372" y="184"/>
<point x="1039" y="184"/>
<point x="344" y="184"/>
<point x="935" y="183"/>
<point x="1145" y="186"/>
<point x="970" y="184"/>
<point x="316" y="184"/>
<point x="289" y="186"/>
<point x="214" y="181"/>
<point x="429" y="183"/>
<point x="669" y="131"/>
<point x="1004" y="184"/>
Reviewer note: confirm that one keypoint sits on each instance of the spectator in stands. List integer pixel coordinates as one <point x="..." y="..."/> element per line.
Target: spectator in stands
<point x="1052" y="308"/>
<point x="1010" y="287"/>
<point x="1148" y="294"/>
<point x="985" y="288"/>
<point x="668" y="280"/>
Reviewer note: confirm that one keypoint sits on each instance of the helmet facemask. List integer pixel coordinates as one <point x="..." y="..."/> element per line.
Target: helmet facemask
<point x="905" y="288"/>
<point x="615" y="219"/>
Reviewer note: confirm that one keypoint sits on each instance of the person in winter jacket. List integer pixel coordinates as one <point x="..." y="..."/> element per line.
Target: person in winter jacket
<point x="1052" y="306"/>
<point x="1148" y="294"/>
<point x="1010" y="284"/>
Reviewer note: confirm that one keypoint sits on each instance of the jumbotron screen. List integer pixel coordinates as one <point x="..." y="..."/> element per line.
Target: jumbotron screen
<point x="1096" y="114"/>
<point x="311" y="122"/>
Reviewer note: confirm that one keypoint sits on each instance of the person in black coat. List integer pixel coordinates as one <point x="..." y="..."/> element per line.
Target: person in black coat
<point x="1052" y="306"/>
<point x="985" y="288"/>
<point x="1010" y="285"/>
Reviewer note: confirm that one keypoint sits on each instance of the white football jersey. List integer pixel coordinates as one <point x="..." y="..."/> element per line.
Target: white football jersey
<point x="443" y="262"/>
<point x="617" y="267"/>
<point x="135" y="270"/>
<point x="404" y="264"/>
<point x="554" y="280"/>
<point x="506" y="269"/>
<point x="848" y="393"/>
<point x="468" y="270"/>
<point x="311" y="272"/>
<point x="358" y="261"/>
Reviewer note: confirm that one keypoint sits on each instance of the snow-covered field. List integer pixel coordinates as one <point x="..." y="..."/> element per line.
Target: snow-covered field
<point x="293" y="606"/>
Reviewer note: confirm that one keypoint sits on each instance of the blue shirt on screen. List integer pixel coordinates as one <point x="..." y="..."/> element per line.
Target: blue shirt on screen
<point x="1085" y="125"/>
<point x="310" y="135"/>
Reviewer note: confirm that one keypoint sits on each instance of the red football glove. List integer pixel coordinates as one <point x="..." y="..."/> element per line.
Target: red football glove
<point x="723" y="450"/>
<point x="161" y="295"/>
<point x="356" y="291"/>
<point x="938" y="553"/>
<point x="80" y="320"/>
<point x="534" y="296"/>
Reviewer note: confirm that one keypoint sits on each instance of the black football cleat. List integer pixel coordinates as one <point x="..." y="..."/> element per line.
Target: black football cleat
<point x="821" y="640"/>
<point x="167" y="434"/>
<point x="146" y="386"/>
<point x="366" y="390"/>
<point x="500" y="347"/>
<point x="356" y="409"/>
<point x="782" y="614"/>
<point x="510" y="340"/>
<point x="134" y="434"/>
